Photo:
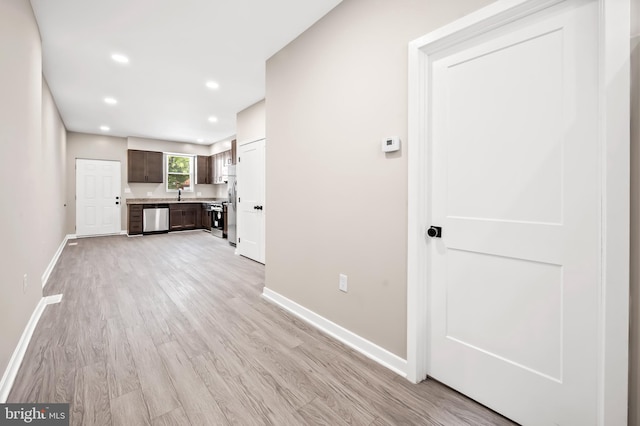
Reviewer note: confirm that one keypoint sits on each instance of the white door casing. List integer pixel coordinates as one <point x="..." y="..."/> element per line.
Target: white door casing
<point x="98" y="198"/>
<point x="250" y="171"/>
<point x="501" y="227"/>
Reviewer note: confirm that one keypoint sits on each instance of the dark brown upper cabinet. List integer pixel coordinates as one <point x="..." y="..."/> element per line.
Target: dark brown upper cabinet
<point x="233" y="151"/>
<point x="145" y="166"/>
<point x="204" y="169"/>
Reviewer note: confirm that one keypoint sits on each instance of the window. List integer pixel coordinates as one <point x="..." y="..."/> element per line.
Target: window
<point x="179" y="172"/>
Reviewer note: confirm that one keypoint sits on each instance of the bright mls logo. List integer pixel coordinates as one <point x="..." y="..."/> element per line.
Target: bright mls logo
<point x="34" y="414"/>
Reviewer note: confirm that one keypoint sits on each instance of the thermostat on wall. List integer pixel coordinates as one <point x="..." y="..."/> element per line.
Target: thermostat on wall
<point x="390" y="144"/>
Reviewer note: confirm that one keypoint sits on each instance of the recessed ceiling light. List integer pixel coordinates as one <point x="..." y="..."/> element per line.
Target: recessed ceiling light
<point x="212" y="85"/>
<point x="200" y="140"/>
<point x="105" y="128"/>
<point x="110" y="101"/>
<point x="213" y="119"/>
<point x="120" y="58"/>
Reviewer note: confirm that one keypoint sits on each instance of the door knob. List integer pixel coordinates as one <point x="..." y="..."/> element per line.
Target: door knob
<point x="434" y="232"/>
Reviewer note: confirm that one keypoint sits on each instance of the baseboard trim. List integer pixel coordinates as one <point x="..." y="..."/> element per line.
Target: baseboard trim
<point x="360" y="344"/>
<point x="11" y="371"/>
<point x="54" y="260"/>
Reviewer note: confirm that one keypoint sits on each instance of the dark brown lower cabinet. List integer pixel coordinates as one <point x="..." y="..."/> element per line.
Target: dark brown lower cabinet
<point x="206" y="219"/>
<point x="184" y="216"/>
<point x="135" y="219"/>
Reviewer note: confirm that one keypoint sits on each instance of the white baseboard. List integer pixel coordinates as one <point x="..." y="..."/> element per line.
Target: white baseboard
<point x="72" y="237"/>
<point x="54" y="260"/>
<point x="10" y="373"/>
<point x="360" y="344"/>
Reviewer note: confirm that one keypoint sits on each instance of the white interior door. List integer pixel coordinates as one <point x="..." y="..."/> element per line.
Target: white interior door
<point x="98" y="199"/>
<point x="515" y="187"/>
<point x="251" y="201"/>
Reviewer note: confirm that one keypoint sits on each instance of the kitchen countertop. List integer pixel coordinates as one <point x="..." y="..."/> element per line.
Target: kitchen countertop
<point x="173" y="200"/>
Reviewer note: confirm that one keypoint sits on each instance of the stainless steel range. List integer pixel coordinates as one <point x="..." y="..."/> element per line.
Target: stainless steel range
<point x="215" y="211"/>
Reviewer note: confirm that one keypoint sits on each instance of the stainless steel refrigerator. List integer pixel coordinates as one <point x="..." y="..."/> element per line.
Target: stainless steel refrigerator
<point x="231" y="206"/>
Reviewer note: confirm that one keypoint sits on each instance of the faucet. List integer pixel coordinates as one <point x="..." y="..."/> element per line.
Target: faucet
<point x="179" y="192"/>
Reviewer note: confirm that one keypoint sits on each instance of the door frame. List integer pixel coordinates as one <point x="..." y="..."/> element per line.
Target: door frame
<point x="614" y="172"/>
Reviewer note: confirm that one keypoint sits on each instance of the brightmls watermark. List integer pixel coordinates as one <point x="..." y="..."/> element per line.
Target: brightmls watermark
<point x="34" y="414"/>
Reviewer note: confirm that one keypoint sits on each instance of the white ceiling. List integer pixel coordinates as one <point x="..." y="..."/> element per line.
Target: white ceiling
<point x="174" y="47"/>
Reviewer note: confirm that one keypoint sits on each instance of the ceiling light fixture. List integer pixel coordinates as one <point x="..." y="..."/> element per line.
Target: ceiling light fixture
<point x="120" y="58"/>
<point x="212" y="85"/>
<point x="110" y="101"/>
<point x="213" y="119"/>
<point x="105" y="128"/>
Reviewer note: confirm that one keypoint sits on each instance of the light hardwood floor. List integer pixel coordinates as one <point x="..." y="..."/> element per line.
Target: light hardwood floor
<point x="171" y="330"/>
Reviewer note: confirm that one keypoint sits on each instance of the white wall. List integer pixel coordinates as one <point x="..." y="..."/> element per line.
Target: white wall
<point x="32" y="152"/>
<point x="250" y="123"/>
<point x="634" y="344"/>
<point x="337" y="204"/>
<point x="92" y="147"/>
<point x="53" y="171"/>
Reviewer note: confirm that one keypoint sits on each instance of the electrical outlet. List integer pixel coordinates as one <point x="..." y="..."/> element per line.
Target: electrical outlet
<point x="199" y="194"/>
<point x="24" y="283"/>
<point x="343" y="283"/>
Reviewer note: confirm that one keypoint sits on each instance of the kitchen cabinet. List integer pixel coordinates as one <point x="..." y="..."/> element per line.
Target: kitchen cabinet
<point x="206" y="219"/>
<point x="184" y="216"/>
<point x="220" y="162"/>
<point x="204" y="169"/>
<point x="144" y="166"/>
<point x="233" y="151"/>
<point x="135" y="219"/>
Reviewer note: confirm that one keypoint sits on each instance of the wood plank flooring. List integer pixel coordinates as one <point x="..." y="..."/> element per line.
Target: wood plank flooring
<point x="171" y="330"/>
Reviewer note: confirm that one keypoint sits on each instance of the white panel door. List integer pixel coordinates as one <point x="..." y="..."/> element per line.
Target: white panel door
<point x="98" y="200"/>
<point x="251" y="200"/>
<point x="514" y="276"/>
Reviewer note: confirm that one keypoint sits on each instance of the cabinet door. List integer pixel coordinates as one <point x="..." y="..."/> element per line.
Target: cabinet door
<point x="198" y="209"/>
<point x="233" y="152"/>
<point x="135" y="219"/>
<point x="214" y="168"/>
<point x="136" y="166"/>
<point x="176" y="219"/>
<point x="219" y="166"/>
<point x="189" y="218"/>
<point x="206" y="219"/>
<point x="202" y="169"/>
<point x="155" y="167"/>
<point x="210" y="169"/>
<point x="227" y="157"/>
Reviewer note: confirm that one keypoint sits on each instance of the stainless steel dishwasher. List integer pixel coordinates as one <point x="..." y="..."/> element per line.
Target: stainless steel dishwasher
<point x="155" y="218"/>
